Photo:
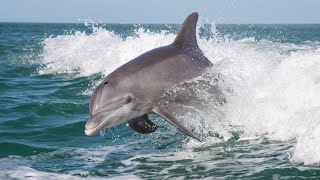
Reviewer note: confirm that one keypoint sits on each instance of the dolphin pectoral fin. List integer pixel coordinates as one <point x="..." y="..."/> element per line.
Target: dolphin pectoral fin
<point x="142" y="125"/>
<point x="173" y="121"/>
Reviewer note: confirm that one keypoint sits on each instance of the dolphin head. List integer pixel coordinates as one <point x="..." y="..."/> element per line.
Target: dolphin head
<point x="110" y="105"/>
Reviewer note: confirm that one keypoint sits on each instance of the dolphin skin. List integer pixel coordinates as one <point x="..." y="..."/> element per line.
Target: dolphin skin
<point x="136" y="88"/>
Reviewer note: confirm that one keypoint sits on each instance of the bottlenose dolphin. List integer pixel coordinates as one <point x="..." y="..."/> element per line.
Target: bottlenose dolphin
<point x="133" y="90"/>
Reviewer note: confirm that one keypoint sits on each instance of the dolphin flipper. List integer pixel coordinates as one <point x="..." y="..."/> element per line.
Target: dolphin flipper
<point x="142" y="125"/>
<point x="173" y="121"/>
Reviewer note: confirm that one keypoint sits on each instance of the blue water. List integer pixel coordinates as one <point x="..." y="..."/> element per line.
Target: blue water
<point x="269" y="127"/>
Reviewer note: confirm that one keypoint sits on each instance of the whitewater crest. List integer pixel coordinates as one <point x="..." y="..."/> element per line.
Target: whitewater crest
<point x="99" y="52"/>
<point x="272" y="89"/>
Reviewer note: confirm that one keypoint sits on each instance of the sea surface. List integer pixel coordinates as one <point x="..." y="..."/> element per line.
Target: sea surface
<point x="268" y="129"/>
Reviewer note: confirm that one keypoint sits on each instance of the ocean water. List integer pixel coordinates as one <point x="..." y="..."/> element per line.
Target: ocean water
<point x="268" y="129"/>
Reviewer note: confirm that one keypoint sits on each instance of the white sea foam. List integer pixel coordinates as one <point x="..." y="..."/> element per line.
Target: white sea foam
<point x="272" y="89"/>
<point x="19" y="168"/>
<point x="100" y="52"/>
<point x="247" y="157"/>
<point x="16" y="167"/>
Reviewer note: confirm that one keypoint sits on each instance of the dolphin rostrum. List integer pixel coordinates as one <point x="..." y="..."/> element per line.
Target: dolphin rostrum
<point x="133" y="90"/>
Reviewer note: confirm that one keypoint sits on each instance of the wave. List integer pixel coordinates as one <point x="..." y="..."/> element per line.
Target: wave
<point x="76" y="160"/>
<point x="9" y="148"/>
<point x="100" y="52"/>
<point x="272" y="88"/>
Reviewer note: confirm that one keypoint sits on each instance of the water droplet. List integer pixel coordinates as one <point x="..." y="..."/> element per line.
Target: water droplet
<point x="102" y="132"/>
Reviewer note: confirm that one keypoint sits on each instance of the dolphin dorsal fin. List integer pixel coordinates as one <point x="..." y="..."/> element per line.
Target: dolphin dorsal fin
<point x="187" y="32"/>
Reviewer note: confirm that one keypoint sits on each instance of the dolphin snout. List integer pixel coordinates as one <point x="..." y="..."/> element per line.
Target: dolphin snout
<point x="92" y="124"/>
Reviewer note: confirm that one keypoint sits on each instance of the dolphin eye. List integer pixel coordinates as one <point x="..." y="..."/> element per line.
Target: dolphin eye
<point x="129" y="99"/>
<point x="105" y="82"/>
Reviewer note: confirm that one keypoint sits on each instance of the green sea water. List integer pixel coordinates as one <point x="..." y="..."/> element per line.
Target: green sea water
<point x="269" y="127"/>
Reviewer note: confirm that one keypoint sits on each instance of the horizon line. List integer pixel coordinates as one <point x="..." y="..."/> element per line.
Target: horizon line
<point x="117" y="23"/>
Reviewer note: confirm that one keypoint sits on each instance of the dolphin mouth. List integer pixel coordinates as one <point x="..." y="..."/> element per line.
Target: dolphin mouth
<point x="90" y="132"/>
<point x="104" y="117"/>
<point x="99" y="121"/>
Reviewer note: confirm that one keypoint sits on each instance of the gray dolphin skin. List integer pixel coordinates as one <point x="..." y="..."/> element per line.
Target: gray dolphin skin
<point x="136" y="88"/>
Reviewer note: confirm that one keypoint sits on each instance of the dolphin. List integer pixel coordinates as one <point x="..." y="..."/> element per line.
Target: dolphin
<point x="137" y="88"/>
